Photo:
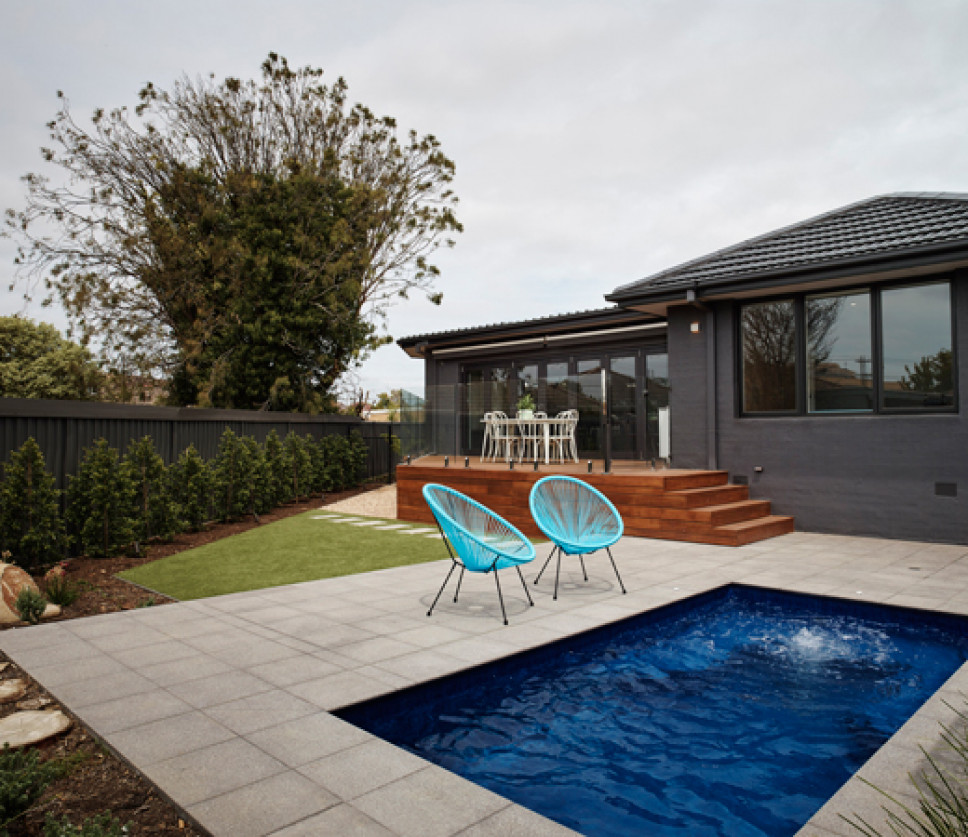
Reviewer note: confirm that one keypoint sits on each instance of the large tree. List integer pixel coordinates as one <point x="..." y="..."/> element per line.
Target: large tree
<point x="36" y="362"/>
<point x="247" y="236"/>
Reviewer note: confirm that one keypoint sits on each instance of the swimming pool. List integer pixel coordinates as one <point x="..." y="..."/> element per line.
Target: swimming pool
<point x="737" y="712"/>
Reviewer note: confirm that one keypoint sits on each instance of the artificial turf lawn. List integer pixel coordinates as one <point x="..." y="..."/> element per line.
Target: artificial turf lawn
<point x="287" y="551"/>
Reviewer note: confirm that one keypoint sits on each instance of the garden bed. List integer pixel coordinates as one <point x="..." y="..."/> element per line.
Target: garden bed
<point x="100" y="781"/>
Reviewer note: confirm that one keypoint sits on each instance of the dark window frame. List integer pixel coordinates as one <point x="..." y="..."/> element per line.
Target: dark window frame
<point x="799" y="300"/>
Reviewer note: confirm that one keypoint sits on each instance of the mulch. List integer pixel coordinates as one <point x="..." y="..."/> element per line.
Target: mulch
<point x="102" y="781"/>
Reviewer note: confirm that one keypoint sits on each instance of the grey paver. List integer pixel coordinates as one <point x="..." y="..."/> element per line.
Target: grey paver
<point x="307" y="739"/>
<point x="169" y="737"/>
<point x="203" y="774"/>
<point x="264" y="806"/>
<point x="259" y="711"/>
<point x="422" y="804"/>
<point x="219" y="688"/>
<point x="338" y="820"/>
<point x="360" y="769"/>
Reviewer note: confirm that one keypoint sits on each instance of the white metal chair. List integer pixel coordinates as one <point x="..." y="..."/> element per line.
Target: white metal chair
<point x="563" y="435"/>
<point x="488" y="437"/>
<point x="503" y="435"/>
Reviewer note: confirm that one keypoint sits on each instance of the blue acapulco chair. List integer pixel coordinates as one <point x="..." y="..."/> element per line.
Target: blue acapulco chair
<point x="477" y="539"/>
<point x="578" y="519"/>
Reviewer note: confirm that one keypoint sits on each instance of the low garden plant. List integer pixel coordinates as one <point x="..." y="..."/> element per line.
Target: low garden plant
<point x="942" y="791"/>
<point x="23" y="778"/>
<point x="117" y="504"/>
<point x="30" y="605"/>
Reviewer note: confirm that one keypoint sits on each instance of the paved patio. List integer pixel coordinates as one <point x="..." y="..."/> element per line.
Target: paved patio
<point x="225" y="702"/>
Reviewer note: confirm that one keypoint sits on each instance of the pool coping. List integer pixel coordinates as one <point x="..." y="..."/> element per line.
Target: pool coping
<point x="239" y="689"/>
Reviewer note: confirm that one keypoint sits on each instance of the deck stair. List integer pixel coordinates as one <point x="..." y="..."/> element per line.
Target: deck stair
<point x="672" y="504"/>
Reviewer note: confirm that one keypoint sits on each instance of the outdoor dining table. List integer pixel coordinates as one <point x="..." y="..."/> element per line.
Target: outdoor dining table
<point x="520" y="422"/>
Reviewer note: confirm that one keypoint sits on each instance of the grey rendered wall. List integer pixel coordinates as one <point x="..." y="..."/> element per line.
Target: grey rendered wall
<point x="689" y="389"/>
<point x="859" y="475"/>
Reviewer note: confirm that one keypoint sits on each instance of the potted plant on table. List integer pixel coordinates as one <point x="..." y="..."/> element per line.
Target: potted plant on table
<point x="526" y="406"/>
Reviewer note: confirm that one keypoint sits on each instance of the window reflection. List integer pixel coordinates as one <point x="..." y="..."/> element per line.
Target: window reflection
<point x="839" y="353"/>
<point x="918" y="369"/>
<point x="769" y="356"/>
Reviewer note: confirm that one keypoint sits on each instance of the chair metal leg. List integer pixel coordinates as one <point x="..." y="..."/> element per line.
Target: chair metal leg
<point x="460" y="578"/>
<point x="497" y="581"/>
<point x="550" y="556"/>
<point x="584" y="572"/>
<point x="525" y="586"/>
<point x="453" y="566"/>
<point x="609" y="551"/>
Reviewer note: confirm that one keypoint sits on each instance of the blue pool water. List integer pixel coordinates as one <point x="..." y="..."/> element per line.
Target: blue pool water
<point x="736" y="713"/>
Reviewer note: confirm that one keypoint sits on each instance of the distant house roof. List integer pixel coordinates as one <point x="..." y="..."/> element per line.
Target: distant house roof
<point x="890" y="232"/>
<point x="557" y="325"/>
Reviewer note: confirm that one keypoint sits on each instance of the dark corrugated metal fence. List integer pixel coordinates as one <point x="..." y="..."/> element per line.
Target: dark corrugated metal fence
<point x="63" y="429"/>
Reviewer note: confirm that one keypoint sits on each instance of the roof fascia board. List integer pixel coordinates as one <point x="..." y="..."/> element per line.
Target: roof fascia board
<point x="545" y="340"/>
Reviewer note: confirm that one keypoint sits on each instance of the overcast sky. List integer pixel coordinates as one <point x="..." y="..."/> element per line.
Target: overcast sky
<point x="596" y="143"/>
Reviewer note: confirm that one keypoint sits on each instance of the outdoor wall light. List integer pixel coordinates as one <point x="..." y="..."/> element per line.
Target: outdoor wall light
<point x="510" y="464"/>
<point x="536" y="464"/>
<point x="589" y="466"/>
<point x="446" y="461"/>
<point x="467" y="462"/>
<point x="695" y="327"/>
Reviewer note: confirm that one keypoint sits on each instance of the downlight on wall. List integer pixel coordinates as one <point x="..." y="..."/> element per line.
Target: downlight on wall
<point x="695" y="327"/>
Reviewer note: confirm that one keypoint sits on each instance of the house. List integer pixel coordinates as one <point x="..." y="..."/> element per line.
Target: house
<point x="819" y="364"/>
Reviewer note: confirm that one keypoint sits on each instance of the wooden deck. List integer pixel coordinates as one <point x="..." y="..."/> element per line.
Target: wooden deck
<point x="673" y="504"/>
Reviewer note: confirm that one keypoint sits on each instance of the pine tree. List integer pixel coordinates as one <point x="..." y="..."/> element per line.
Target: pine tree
<point x="101" y="504"/>
<point x="156" y="513"/>
<point x="190" y="484"/>
<point x="300" y="464"/>
<point x="280" y="485"/>
<point x="30" y="523"/>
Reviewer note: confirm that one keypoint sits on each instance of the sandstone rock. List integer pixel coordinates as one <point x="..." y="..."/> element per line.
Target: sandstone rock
<point x="51" y="610"/>
<point x="12" y="581"/>
<point x="11" y="690"/>
<point x="23" y="728"/>
<point x="34" y="703"/>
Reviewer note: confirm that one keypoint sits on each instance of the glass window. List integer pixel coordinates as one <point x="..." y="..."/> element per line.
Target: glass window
<point x="528" y="383"/>
<point x="769" y="348"/>
<point x="917" y="365"/>
<point x="556" y="390"/>
<point x="839" y="353"/>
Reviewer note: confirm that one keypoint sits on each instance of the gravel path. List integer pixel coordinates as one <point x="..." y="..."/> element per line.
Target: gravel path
<point x="380" y="502"/>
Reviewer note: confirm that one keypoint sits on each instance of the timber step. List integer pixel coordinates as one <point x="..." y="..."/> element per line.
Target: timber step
<point x="695" y="506"/>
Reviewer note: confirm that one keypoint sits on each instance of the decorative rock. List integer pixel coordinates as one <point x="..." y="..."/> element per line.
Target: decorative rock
<point x="35" y="703"/>
<point x="51" y="610"/>
<point x="12" y="581"/>
<point x="11" y="690"/>
<point x="23" y="728"/>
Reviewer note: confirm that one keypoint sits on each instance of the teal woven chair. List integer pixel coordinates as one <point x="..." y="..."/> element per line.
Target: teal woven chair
<point x="477" y="539"/>
<point x="577" y="518"/>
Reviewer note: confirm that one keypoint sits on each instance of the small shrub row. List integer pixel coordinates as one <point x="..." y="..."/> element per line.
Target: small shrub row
<point x="116" y="503"/>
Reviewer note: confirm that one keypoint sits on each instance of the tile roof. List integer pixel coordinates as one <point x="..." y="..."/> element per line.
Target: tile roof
<point x="874" y="229"/>
<point x="569" y="320"/>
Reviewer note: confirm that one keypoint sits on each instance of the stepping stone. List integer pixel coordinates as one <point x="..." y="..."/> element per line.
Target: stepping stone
<point x="394" y="526"/>
<point x="434" y="535"/>
<point x="417" y="532"/>
<point x="366" y="523"/>
<point x="30" y="727"/>
<point x="11" y="690"/>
